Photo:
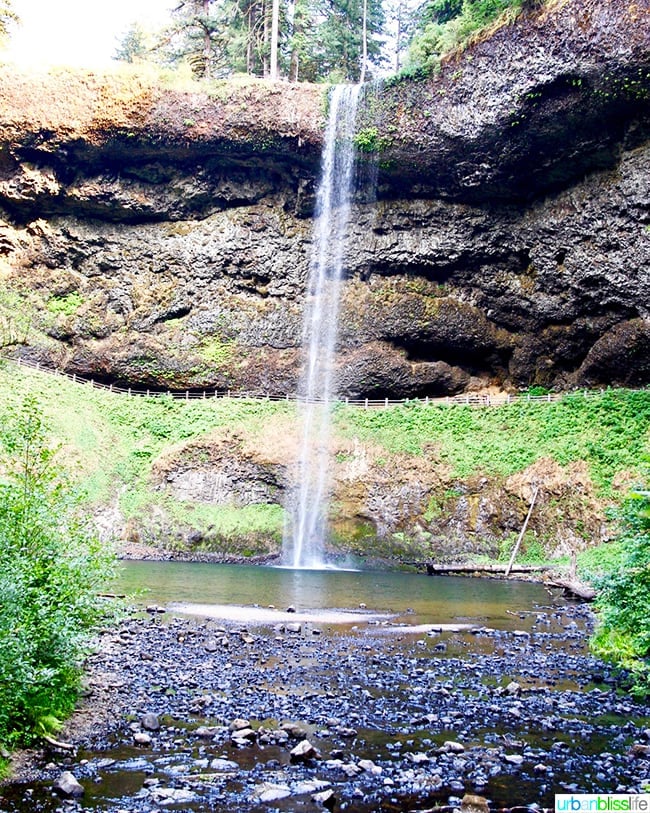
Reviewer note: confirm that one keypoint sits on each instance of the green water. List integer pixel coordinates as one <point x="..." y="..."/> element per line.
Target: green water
<point x="415" y="598"/>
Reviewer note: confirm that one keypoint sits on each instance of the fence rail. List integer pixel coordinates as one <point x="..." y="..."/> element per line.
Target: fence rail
<point x="468" y="399"/>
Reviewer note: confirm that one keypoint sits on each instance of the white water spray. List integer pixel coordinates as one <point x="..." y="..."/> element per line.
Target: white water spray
<point x="307" y="525"/>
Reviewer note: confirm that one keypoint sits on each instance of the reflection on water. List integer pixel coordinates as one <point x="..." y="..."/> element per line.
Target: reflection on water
<point x="416" y="598"/>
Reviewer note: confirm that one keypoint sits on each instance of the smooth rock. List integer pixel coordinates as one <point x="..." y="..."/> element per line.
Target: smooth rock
<point x="68" y="786"/>
<point x="173" y="796"/>
<point x="150" y="722"/>
<point x="471" y="803"/>
<point x="327" y="798"/>
<point x="142" y="738"/>
<point x="221" y="764"/>
<point x="303" y="751"/>
<point x="268" y="792"/>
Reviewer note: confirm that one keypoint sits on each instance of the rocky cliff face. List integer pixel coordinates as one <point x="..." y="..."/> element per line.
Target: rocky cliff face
<point x="161" y="238"/>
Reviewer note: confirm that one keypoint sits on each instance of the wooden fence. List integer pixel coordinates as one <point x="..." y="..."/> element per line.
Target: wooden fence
<point x="468" y="399"/>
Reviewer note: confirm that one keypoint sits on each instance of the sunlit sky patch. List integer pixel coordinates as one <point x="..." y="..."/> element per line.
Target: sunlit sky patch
<point x="77" y="32"/>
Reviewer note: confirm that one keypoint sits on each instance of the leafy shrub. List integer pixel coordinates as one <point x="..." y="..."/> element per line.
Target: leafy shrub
<point x="66" y="305"/>
<point x="447" y="25"/>
<point x="50" y="570"/>
<point x="623" y="631"/>
<point x="368" y="140"/>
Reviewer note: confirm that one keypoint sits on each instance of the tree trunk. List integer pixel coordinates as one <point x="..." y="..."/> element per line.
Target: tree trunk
<point x="275" y="33"/>
<point x="364" y="43"/>
<point x="398" y="37"/>
<point x="297" y="30"/>
<point x="207" y="43"/>
<point x="267" y="31"/>
<point x="250" y="53"/>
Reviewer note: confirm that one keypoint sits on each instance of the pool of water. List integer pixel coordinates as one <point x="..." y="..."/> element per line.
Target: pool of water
<point x="408" y="598"/>
<point x="381" y="688"/>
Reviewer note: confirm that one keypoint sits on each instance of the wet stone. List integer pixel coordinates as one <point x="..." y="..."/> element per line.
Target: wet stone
<point x="268" y="792"/>
<point x="471" y="803"/>
<point x="68" y="786"/>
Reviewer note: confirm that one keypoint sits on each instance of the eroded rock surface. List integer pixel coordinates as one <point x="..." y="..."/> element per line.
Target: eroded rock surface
<point x="161" y="238"/>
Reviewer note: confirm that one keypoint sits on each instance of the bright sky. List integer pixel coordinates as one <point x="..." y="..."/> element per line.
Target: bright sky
<point x="78" y="32"/>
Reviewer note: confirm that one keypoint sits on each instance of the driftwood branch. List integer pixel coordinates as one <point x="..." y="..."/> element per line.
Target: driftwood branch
<point x="522" y="532"/>
<point x="64" y="746"/>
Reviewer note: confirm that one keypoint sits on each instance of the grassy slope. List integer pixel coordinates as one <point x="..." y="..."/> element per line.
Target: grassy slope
<point x="609" y="431"/>
<point x="110" y="441"/>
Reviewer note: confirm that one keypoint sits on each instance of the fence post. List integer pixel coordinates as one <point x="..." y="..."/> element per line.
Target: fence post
<point x="147" y="393"/>
<point x="187" y="395"/>
<point x="74" y="377"/>
<point x="110" y="388"/>
<point x="366" y="406"/>
<point x="129" y="391"/>
<point x="228" y="394"/>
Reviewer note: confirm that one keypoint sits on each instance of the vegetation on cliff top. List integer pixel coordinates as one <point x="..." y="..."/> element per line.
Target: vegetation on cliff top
<point x="448" y="25"/>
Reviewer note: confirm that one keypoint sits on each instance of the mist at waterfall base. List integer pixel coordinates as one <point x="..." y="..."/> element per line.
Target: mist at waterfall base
<point x="307" y="508"/>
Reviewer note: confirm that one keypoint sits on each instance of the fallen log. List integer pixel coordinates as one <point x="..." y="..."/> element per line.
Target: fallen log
<point x="578" y="589"/>
<point x="465" y="568"/>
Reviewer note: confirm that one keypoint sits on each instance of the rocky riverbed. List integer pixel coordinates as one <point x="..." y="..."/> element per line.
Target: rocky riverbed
<point x="198" y="714"/>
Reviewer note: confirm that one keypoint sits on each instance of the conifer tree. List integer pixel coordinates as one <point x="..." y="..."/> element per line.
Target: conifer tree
<point x="133" y="45"/>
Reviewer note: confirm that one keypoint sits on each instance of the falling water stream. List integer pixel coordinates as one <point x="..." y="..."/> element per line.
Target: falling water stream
<point x="306" y="527"/>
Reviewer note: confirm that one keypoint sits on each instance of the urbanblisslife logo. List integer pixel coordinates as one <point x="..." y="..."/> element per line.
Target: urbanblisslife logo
<point x="602" y="802"/>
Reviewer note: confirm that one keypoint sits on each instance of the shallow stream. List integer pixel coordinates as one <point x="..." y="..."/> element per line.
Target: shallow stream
<point x="412" y="690"/>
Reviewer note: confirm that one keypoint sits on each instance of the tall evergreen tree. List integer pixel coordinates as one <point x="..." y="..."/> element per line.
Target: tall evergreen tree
<point x="340" y="37"/>
<point x="201" y="34"/>
<point x="133" y="45"/>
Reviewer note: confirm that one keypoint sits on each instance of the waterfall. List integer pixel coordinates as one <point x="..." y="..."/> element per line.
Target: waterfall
<point x="307" y="512"/>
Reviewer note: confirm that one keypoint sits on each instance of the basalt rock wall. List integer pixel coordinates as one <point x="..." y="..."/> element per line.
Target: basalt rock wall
<point x="160" y="238"/>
